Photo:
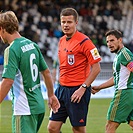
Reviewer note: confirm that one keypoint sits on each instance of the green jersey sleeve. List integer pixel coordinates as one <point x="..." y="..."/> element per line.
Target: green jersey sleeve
<point x="10" y="64"/>
<point x="126" y="56"/>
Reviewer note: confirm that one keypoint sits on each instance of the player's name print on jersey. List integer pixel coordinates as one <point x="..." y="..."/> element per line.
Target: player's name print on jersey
<point x="27" y="47"/>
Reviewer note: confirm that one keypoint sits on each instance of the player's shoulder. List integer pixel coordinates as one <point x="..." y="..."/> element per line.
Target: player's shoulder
<point x="80" y="35"/>
<point x="63" y="37"/>
<point x="125" y="50"/>
<point x="125" y="53"/>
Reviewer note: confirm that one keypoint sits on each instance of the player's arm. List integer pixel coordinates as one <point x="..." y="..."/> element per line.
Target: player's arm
<point x="48" y="82"/>
<point x="77" y="95"/>
<point x="5" y="86"/>
<point x="130" y="66"/>
<point x="52" y="99"/>
<point x="95" y="70"/>
<point x="94" y="58"/>
<point x="104" y="85"/>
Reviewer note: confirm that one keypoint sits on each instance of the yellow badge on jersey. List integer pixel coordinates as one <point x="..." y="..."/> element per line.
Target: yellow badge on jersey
<point x="95" y="53"/>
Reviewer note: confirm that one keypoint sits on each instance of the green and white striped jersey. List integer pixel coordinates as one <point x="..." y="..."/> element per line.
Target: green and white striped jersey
<point x="123" y="78"/>
<point x="22" y="62"/>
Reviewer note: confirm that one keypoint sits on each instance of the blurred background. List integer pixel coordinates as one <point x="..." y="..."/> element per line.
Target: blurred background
<point x="40" y="22"/>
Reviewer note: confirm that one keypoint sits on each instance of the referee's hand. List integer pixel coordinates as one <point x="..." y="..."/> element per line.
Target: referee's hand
<point x="77" y="95"/>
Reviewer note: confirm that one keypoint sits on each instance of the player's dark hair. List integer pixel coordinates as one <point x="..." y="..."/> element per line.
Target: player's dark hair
<point x="68" y="12"/>
<point x="116" y="33"/>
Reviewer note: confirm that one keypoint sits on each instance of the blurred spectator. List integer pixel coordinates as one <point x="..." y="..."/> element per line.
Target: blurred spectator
<point x="85" y="26"/>
<point x="55" y="23"/>
<point x="41" y="23"/>
<point x="1" y="59"/>
<point x="83" y="10"/>
<point x="57" y="32"/>
<point x="117" y="13"/>
<point x="47" y="24"/>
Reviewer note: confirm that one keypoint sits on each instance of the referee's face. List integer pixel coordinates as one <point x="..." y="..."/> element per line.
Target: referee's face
<point x="113" y="43"/>
<point x="68" y="25"/>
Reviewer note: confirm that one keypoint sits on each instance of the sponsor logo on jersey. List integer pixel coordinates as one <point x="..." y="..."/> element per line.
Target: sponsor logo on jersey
<point x="34" y="87"/>
<point x="95" y="53"/>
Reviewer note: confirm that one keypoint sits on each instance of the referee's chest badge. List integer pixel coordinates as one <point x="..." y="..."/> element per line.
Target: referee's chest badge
<point x="71" y="59"/>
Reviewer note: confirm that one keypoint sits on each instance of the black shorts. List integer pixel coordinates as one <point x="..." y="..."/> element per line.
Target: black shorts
<point x="77" y="112"/>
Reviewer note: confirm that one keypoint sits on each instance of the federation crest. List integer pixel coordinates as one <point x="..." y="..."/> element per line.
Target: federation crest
<point x="71" y="59"/>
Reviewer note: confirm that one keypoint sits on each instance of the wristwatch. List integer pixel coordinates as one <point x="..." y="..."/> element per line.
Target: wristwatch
<point x="84" y="85"/>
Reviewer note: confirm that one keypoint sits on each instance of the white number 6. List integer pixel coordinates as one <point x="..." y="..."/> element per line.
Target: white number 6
<point x="34" y="68"/>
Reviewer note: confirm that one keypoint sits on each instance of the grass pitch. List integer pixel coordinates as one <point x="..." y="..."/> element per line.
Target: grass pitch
<point x="95" y="124"/>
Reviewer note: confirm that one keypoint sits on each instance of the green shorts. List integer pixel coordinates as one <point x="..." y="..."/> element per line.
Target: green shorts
<point x="27" y="123"/>
<point x="121" y="106"/>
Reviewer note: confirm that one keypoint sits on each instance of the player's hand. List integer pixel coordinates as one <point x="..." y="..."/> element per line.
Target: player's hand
<point x="95" y="89"/>
<point x="53" y="103"/>
<point x="77" y="95"/>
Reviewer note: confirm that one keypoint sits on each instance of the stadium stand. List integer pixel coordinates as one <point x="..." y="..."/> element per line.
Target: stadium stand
<point x="39" y="21"/>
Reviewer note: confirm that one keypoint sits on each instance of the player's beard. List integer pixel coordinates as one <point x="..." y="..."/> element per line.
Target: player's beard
<point x="115" y="50"/>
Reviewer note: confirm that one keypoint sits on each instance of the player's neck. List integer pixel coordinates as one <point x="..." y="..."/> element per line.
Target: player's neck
<point x="13" y="37"/>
